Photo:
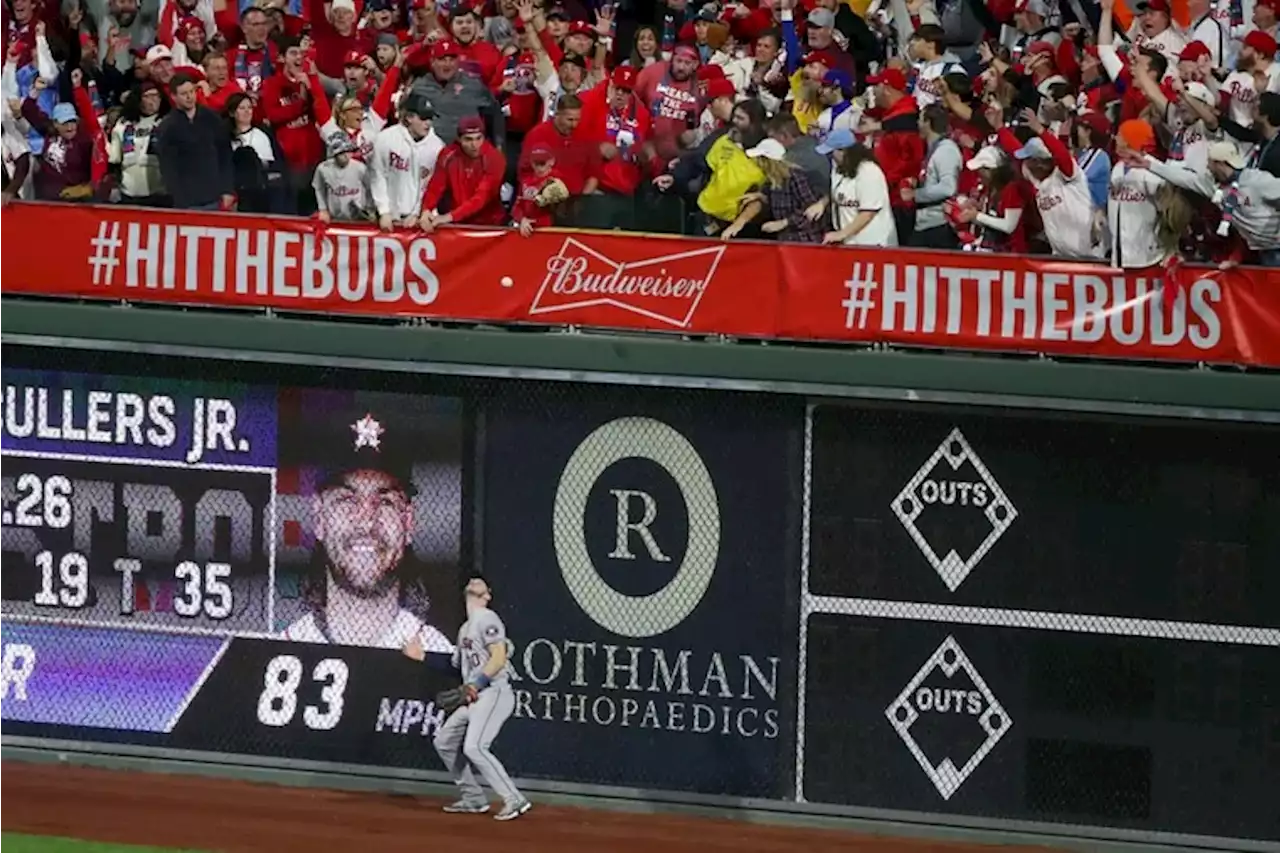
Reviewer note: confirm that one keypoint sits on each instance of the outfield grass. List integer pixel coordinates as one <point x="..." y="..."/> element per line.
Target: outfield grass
<point x="16" y="843"/>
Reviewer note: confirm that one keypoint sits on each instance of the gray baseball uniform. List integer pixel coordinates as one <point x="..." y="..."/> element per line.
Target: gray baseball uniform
<point x="463" y="741"/>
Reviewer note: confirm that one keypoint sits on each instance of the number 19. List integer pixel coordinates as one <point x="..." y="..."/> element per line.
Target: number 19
<point x="70" y="588"/>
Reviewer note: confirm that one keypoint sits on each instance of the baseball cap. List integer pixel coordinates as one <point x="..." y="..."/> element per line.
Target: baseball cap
<point x="823" y="56"/>
<point x="1154" y="6"/>
<point x="418" y="105"/>
<point x="721" y="87"/>
<point x="374" y="440"/>
<point x="708" y="14"/>
<point x="445" y="47"/>
<point x="1035" y="149"/>
<point x="990" y="157"/>
<point x="582" y="28"/>
<point x="1040" y="46"/>
<point x="1261" y="42"/>
<point x="1199" y="91"/>
<point x="159" y="53"/>
<point x="823" y="19"/>
<point x="64" y="113"/>
<point x="837" y="140"/>
<point x="624" y="77"/>
<point x="572" y="58"/>
<point x="340" y="143"/>
<point x="338" y="5"/>
<point x="770" y="149"/>
<point x="557" y="13"/>
<point x="540" y="156"/>
<point x="838" y="78"/>
<point x="389" y="39"/>
<point x="1097" y="121"/>
<point x="891" y="77"/>
<point x="710" y="71"/>
<point x="353" y="57"/>
<point x="1226" y="152"/>
<point x="470" y="124"/>
<point x="1193" y="51"/>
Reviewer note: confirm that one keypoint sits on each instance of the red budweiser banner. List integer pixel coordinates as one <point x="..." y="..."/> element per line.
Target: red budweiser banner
<point x="607" y="280"/>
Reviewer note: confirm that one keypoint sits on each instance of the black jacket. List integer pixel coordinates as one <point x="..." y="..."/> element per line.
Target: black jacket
<point x="195" y="157"/>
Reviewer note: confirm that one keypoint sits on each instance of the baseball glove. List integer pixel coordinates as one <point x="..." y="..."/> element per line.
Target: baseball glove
<point x="455" y="697"/>
<point x="552" y="193"/>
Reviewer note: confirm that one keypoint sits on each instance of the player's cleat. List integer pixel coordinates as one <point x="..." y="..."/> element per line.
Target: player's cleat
<point x="511" y="811"/>
<point x="467" y="807"/>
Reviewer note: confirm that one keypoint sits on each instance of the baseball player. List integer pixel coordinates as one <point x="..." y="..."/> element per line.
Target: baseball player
<point x="359" y="581"/>
<point x="487" y="700"/>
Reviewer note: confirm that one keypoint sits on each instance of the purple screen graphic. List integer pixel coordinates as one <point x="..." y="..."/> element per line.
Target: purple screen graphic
<point x="76" y="676"/>
<point x="140" y="418"/>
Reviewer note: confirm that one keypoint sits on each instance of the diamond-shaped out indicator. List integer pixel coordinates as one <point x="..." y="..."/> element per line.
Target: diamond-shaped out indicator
<point x="999" y="511"/>
<point x="946" y="776"/>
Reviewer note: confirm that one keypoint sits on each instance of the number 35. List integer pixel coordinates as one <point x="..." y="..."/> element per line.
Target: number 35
<point x="279" y="700"/>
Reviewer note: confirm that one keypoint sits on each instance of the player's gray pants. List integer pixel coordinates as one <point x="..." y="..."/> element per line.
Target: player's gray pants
<point x="464" y="740"/>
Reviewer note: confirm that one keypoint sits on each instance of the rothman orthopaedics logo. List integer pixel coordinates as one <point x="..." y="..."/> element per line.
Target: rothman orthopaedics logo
<point x="659" y="612"/>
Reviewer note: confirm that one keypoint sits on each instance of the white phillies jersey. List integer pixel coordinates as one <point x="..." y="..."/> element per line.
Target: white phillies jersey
<point x="1066" y="208"/>
<point x="1170" y="42"/>
<point x="342" y="191"/>
<point x="929" y="79"/>
<point x="1131" y="217"/>
<point x="309" y="629"/>
<point x="400" y="169"/>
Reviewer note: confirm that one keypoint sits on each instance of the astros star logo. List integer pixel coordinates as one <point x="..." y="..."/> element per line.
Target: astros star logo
<point x="368" y="432"/>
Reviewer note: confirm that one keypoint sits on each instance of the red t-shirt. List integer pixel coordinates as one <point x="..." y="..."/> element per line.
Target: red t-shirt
<point x="576" y="160"/>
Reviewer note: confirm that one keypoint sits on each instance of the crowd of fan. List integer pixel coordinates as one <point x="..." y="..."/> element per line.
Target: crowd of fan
<point x="1028" y="126"/>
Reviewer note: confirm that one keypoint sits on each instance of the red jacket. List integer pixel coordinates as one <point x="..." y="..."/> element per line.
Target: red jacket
<point x="526" y="206"/>
<point x="900" y="148"/>
<point x="290" y="108"/>
<point x="473" y="184"/>
<point x="600" y="124"/>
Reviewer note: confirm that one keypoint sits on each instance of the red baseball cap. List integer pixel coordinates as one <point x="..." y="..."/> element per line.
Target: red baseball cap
<point x="823" y="56"/>
<point x="470" y="124"/>
<point x="1194" y="51"/>
<point x="1261" y="42"/>
<point x="1097" y="121"/>
<point x="540" y="155"/>
<point x="582" y="28"/>
<point x="445" y="47"/>
<point x="1039" y="47"/>
<point x="353" y="57"/>
<point x="721" y="87"/>
<point x="624" y="77"/>
<point x="710" y="71"/>
<point x="1154" y="6"/>
<point x="891" y="77"/>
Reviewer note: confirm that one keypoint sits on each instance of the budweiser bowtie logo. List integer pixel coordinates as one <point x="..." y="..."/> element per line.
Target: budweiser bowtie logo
<point x="667" y="288"/>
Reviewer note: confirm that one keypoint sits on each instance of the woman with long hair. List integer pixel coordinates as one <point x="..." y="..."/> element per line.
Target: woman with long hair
<point x="784" y="198"/>
<point x="129" y="156"/>
<point x="859" y="204"/>
<point x="999" y="207"/>
<point x="646" y="48"/>
<point x="257" y="161"/>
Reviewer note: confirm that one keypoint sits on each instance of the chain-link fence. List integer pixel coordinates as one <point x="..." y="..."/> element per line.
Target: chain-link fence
<point x="986" y="614"/>
<point x="258" y="573"/>
<point x="1043" y="617"/>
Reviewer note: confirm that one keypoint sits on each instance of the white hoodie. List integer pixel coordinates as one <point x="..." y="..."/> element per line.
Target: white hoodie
<point x="400" y="170"/>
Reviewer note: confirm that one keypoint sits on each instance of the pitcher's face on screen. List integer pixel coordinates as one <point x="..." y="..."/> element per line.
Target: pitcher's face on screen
<point x="364" y="521"/>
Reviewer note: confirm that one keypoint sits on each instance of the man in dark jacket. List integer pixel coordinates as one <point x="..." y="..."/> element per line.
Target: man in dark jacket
<point x="456" y="95"/>
<point x="194" y="148"/>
